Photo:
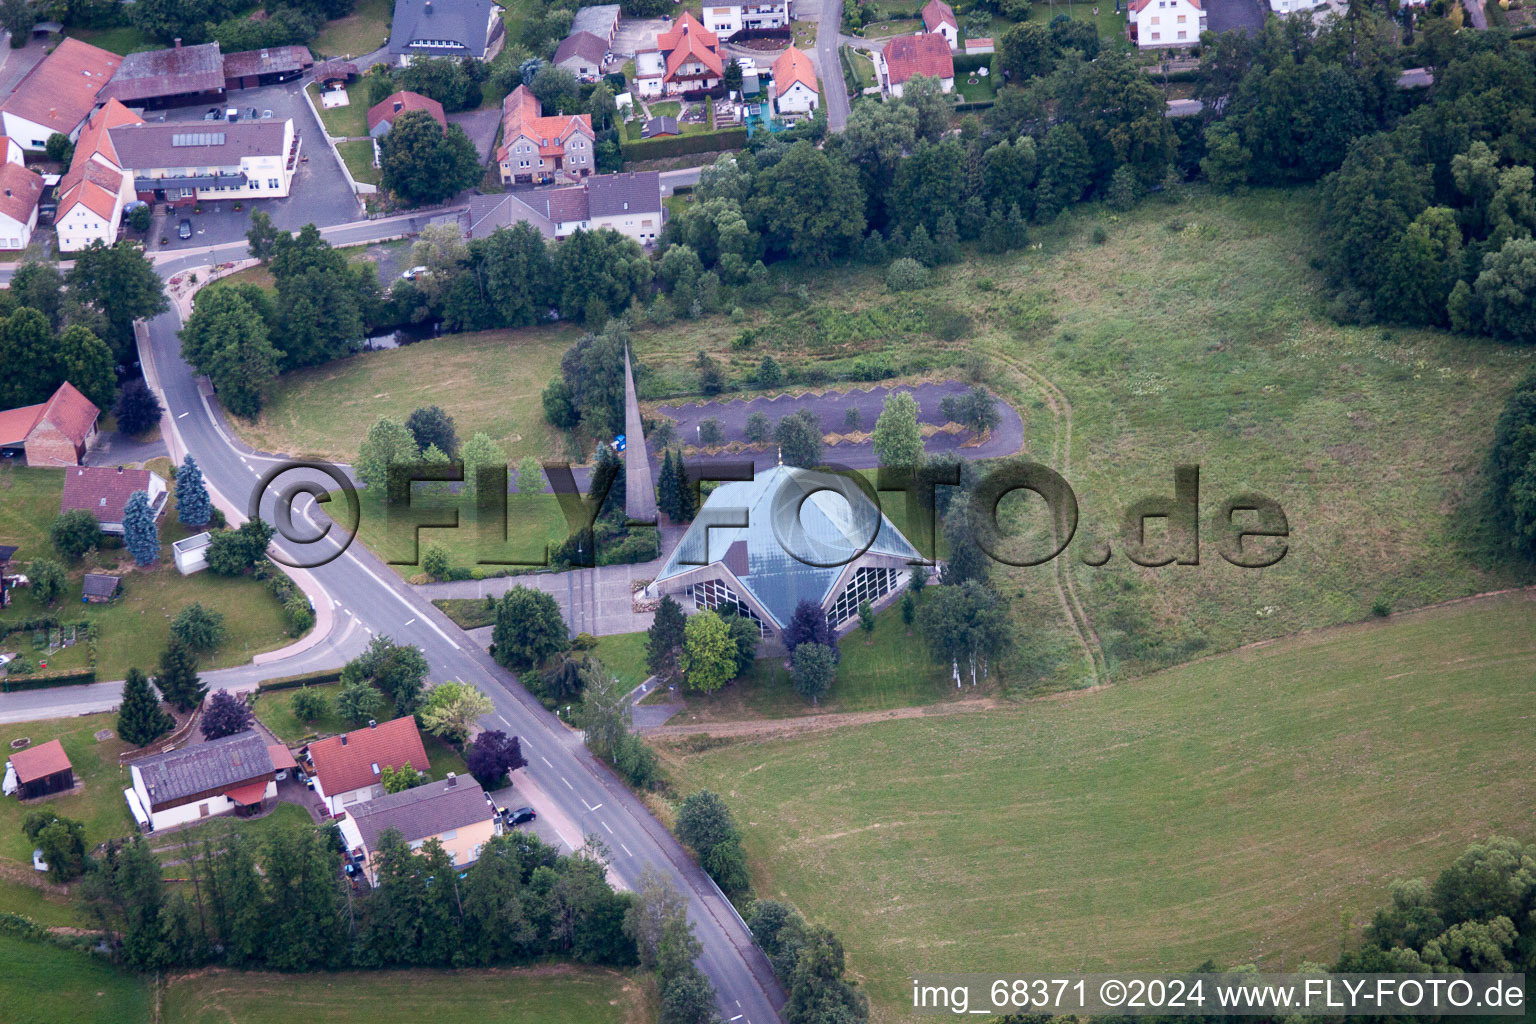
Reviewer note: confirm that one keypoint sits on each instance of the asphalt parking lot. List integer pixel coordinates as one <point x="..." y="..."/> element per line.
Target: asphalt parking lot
<point x="319" y="193"/>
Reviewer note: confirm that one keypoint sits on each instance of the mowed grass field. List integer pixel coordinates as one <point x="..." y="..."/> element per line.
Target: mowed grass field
<point x="487" y="381"/>
<point x="561" y="995"/>
<point x="1248" y="808"/>
<point x="43" y="984"/>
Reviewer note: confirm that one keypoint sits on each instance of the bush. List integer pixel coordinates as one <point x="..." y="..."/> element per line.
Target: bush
<point x="198" y="628"/>
<point x="435" y="562"/>
<point x="309" y="705"/>
<point x="710" y="432"/>
<point x="74" y="533"/>
<point x="905" y="275"/>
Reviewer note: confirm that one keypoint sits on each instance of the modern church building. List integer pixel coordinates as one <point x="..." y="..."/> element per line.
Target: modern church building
<point x="760" y="547"/>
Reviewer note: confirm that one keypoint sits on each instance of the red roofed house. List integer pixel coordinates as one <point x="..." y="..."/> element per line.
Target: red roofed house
<point x="539" y="149"/>
<point x="939" y="20"/>
<point x="40" y="770"/>
<point x="906" y="56"/>
<point x="57" y="95"/>
<point x="794" y="81"/>
<point x="1159" y="23"/>
<point x="20" y="190"/>
<point x="54" y="433"/>
<point x="96" y="187"/>
<point x="104" y="492"/>
<point x="348" y="769"/>
<point x="383" y="113"/>
<point x="686" y="60"/>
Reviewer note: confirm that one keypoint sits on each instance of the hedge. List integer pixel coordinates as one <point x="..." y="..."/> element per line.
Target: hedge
<point x="326" y="675"/>
<point x="965" y="62"/>
<point x="683" y="145"/>
<point x="79" y="677"/>
<point x="974" y="105"/>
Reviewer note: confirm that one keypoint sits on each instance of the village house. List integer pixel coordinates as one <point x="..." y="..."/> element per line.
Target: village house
<point x="382" y="115"/>
<point x="39" y="771"/>
<point x="727" y="19"/>
<point x="456" y="812"/>
<point x="794" y="82"/>
<point x="582" y="53"/>
<point x="348" y="769"/>
<point x="906" y="56"/>
<point x="58" y="94"/>
<point x="232" y="775"/>
<point x="55" y="433"/>
<point x="686" y="60"/>
<point x="1162" y="23"/>
<point x="20" y="190"/>
<point x="96" y="187"/>
<point x="445" y="28"/>
<point x="629" y="203"/>
<point x="104" y="492"/>
<point x="538" y="149"/>
<point x="939" y="19"/>
<point x="186" y="161"/>
<point x="178" y="76"/>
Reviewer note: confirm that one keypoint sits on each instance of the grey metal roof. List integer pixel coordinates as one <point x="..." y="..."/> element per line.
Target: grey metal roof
<point x="217" y="764"/>
<point x="420" y="26"/>
<point x="273" y="60"/>
<point x="180" y="144"/>
<point x="802" y="528"/>
<point x="98" y="584"/>
<point x="610" y="194"/>
<point x="422" y="812"/>
<point x="598" y="20"/>
<point x="173" y="72"/>
<point x="585" y="45"/>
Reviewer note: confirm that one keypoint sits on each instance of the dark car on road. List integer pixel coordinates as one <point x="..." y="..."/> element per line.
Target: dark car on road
<point x="184" y="229"/>
<point x="517" y="816"/>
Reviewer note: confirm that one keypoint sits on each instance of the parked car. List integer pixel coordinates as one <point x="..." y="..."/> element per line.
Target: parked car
<point x="413" y="273"/>
<point x="184" y="229"/>
<point x="518" y="816"/>
<point x="251" y="113"/>
<point x="212" y="115"/>
<point x="266" y="115"/>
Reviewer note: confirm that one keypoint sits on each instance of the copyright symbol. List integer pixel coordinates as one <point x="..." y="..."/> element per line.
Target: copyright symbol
<point x="1112" y="992"/>
<point x="317" y="480"/>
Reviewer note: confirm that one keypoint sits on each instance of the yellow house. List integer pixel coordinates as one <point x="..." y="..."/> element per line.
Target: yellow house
<point x="456" y="812"/>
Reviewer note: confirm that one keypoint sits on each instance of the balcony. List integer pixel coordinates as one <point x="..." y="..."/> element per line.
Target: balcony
<point x="293" y="152"/>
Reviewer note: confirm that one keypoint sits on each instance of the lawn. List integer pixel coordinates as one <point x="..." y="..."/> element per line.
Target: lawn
<point x="489" y="381"/>
<point x="43" y="984"/>
<point x="358" y="154"/>
<point x="1247" y="808"/>
<point x="363" y="31"/>
<point x="133" y="627"/>
<point x="863" y="67"/>
<point x="1111" y="24"/>
<point x="667" y="108"/>
<point x="122" y="40"/>
<point x="349" y="122"/>
<point x="544" y="995"/>
<point x="623" y="655"/>
<point x="892" y="27"/>
<point x="534" y="524"/>
<point x="513" y="14"/>
<point x="170" y="847"/>
<point x="257" y="275"/>
<point x="980" y="92"/>
<point x="275" y="709"/>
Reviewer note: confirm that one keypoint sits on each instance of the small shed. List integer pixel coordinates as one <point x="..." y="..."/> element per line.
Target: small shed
<point x="99" y="587"/>
<point x="191" y="553"/>
<point x="42" y="770"/>
<point x="657" y="127"/>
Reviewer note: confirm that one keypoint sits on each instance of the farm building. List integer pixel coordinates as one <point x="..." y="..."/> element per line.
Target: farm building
<point x="232" y="775"/>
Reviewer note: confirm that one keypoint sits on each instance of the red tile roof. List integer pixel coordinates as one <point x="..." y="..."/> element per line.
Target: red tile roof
<point x="40" y="761"/>
<point x="70" y="412"/>
<point x="936" y="13"/>
<point x="791" y="67"/>
<point x="61" y="90"/>
<point x="345" y="766"/>
<point x="88" y="180"/>
<point x="19" y="191"/>
<point x="282" y="757"/>
<point x="399" y="103"/>
<point x="521" y="115"/>
<point x="906" y="56"/>
<point x="687" y="25"/>
<point x="102" y="490"/>
<point x="250" y="793"/>
<point x="691" y="43"/>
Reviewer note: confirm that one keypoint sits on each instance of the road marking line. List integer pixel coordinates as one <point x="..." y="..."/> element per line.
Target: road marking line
<point x="567" y="784"/>
<point x="392" y="592"/>
<point x="184" y="415"/>
<point x="605" y="825"/>
<point x="413" y="619"/>
<point x="545" y="760"/>
<point x="597" y="808"/>
<point x="626" y="850"/>
<point x="504" y="721"/>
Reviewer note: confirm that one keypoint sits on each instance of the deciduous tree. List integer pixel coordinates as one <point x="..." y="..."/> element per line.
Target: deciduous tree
<point x="225" y="715"/>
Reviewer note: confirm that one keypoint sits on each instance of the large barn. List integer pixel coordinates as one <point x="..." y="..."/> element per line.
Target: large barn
<point x="808" y="536"/>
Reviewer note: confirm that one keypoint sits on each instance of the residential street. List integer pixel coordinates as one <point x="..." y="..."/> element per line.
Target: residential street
<point x="833" y="89"/>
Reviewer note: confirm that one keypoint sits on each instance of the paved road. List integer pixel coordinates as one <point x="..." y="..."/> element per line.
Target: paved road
<point x="578" y="795"/>
<point x="834" y="90"/>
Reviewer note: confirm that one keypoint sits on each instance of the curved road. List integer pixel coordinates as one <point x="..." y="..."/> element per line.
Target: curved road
<point x="577" y="794"/>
